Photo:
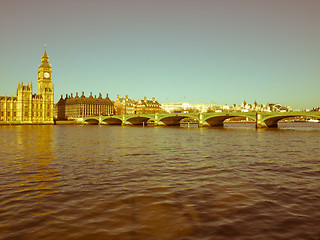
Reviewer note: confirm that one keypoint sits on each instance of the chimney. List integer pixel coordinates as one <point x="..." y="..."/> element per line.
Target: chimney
<point x="71" y="95"/>
<point x="77" y="95"/>
<point x="66" y="96"/>
<point x="153" y="99"/>
<point x="145" y="99"/>
<point x="90" y="95"/>
<point x="100" y="96"/>
<point x="126" y="97"/>
<point x="82" y="94"/>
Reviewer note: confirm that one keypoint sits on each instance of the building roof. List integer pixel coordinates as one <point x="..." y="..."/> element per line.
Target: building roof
<point x="69" y="100"/>
<point x="149" y="103"/>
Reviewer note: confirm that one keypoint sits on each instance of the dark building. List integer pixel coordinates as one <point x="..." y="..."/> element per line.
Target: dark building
<point x="75" y="107"/>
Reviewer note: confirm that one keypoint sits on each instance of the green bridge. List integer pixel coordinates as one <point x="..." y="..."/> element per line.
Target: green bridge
<point x="213" y="119"/>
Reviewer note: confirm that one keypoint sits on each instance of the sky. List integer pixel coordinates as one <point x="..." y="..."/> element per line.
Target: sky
<point x="196" y="51"/>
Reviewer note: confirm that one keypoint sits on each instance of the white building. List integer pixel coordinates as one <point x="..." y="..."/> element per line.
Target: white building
<point x="184" y="107"/>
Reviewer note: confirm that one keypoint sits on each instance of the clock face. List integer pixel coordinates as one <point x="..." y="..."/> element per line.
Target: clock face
<point x="46" y="75"/>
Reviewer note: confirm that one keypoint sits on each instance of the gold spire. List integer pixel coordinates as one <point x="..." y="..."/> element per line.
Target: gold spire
<point x="45" y="52"/>
<point x="45" y="58"/>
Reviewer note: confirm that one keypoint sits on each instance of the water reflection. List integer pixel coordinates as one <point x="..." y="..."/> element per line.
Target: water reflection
<point x="34" y="156"/>
<point x="27" y="177"/>
<point x="98" y="182"/>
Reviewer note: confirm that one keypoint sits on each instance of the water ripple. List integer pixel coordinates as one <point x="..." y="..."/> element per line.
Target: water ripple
<point x="97" y="182"/>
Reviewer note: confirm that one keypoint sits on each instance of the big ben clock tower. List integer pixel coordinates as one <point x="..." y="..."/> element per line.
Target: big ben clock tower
<point x="44" y="74"/>
<point x="45" y="88"/>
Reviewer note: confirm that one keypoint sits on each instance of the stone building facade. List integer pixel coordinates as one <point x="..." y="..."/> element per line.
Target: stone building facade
<point x="28" y="108"/>
<point x="128" y="106"/>
<point x="76" y="107"/>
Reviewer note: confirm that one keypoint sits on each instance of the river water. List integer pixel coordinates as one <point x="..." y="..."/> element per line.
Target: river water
<point x="113" y="182"/>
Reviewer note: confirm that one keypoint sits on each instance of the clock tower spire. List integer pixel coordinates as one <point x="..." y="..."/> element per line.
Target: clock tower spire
<point x="44" y="74"/>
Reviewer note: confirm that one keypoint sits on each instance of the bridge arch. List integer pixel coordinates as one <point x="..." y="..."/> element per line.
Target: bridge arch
<point x="217" y="119"/>
<point x="112" y="121"/>
<point x="91" y="121"/>
<point x="138" y="120"/>
<point x="174" y="119"/>
<point x="271" y="121"/>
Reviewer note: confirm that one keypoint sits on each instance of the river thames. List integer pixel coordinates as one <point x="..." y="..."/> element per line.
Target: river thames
<point x="132" y="183"/>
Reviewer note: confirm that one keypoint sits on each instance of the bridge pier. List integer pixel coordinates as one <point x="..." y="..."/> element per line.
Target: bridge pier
<point x="259" y="122"/>
<point x="123" y="120"/>
<point x="259" y="125"/>
<point x="200" y="124"/>
<point x="156" y="121"/>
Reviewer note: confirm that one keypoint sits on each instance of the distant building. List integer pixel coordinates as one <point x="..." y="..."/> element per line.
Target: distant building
<point x="75" y="107"/>
<point x="184" y="107"/>
<point x="244" y="107"/>
<point x="28" y="108"/>
<point x="125" y="106"/>
<point x="130" y="106"/>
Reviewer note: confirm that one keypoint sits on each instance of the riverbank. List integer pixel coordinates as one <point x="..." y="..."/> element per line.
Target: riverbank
<point x="66" y="122"/>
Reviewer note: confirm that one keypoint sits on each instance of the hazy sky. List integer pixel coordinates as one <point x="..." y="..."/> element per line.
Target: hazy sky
<point x="199" y="51"/>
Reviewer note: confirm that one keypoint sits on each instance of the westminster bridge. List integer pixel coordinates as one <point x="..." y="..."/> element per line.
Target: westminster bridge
<point x="213" y="119"/>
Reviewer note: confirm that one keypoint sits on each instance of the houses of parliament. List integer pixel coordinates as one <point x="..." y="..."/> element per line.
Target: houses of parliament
<point x="26" y="107"/>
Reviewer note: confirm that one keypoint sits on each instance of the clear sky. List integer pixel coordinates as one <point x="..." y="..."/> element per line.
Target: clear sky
<point x="198" y="51"/>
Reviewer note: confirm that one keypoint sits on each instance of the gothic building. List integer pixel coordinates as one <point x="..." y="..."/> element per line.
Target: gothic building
<point x="28" y="108"/>
<point x="75" y="107"/>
